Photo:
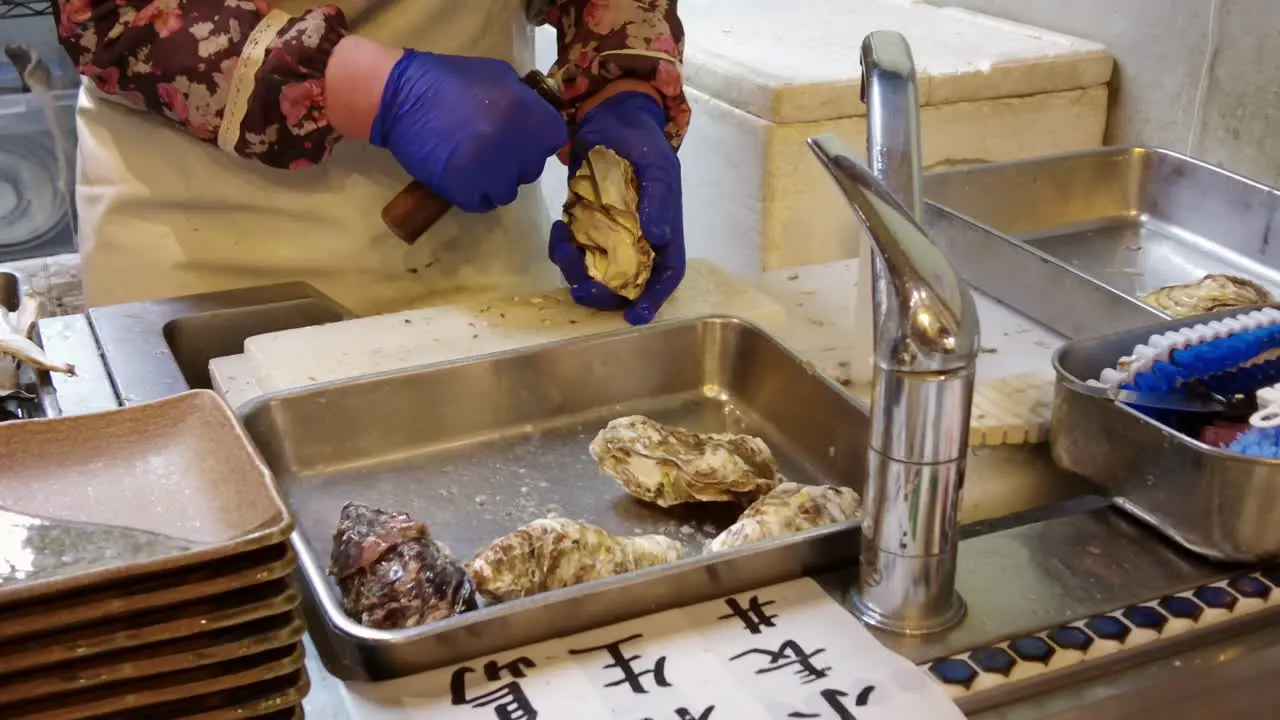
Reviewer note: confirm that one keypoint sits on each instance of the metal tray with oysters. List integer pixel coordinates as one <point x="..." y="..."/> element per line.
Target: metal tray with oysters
<point x="1124" y="236"/>
<point x="565" y="487"/>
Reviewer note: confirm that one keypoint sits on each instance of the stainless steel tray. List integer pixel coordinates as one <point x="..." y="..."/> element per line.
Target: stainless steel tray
<point x="1072" y="240"/>
<point x="1218" y="504"/>
<point x="477" y="448"/>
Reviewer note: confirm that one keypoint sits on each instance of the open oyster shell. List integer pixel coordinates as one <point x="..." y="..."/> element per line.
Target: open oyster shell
<point x="669" y="465"/>
<point x="789" y="508"/>
<point x="1212" y="292"/>
<point x="552" y="553"/>
<point x="603" y="212"/>
<point x="392" y="574"/>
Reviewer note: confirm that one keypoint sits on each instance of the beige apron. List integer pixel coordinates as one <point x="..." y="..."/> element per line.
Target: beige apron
<point x="162" y="214"/>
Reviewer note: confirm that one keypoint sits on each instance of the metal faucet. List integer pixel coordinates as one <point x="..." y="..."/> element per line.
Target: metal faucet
<point x="926" y="344"/>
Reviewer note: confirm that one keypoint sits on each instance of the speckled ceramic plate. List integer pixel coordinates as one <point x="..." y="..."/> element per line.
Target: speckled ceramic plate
<point x="238" y="571"/>
<point x="293" y="713"/>
<point x="214" y="613"/>
<point x="193" y="651"/>
<point x="129" y="493"/>
<point x="276" y="698"/>
<point x="164" y="696"/>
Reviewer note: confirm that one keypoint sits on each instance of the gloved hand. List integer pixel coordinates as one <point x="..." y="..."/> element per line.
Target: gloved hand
<point x="466" y="127"/>
<point x="630" y="124"/>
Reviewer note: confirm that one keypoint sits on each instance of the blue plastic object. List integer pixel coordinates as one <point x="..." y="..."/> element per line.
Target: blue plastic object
<point x="631" y="125"/>
<point x="466" y="127"/>
<point x="1216" y="365"/>
<point x="1257" y="442"/>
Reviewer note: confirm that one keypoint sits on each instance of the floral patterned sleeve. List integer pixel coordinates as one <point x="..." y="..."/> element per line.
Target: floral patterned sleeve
<point x="178" y="59"/>
<point x="605" y="40"/>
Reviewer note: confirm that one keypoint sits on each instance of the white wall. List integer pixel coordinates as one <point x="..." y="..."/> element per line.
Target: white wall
<point x="1196" y="76"/>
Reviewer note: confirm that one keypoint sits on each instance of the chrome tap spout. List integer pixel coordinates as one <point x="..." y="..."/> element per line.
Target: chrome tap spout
<point x="926" y="346"/>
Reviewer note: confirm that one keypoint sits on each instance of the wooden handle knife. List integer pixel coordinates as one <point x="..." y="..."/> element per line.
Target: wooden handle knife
<point x="412" y="212"/>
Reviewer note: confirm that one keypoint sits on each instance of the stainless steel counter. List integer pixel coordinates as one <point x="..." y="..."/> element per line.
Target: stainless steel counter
<point x="1054" y="572"/>
<point x="1232" y="677"/>
<point x="1020" y="572"/>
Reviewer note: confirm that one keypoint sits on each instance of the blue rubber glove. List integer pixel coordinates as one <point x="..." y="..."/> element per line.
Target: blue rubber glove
<point x="630" y="124"/>
<point x="466" y="127"/>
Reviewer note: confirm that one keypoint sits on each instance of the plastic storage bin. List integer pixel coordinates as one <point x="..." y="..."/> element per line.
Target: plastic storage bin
<point x="37" y="174"/>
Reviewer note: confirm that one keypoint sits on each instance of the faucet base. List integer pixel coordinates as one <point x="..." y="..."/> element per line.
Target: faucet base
<point x="915" y="625"/>
<point x="907" y="560"/>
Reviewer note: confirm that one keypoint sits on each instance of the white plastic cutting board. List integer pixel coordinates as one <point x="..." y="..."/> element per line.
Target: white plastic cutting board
<point x="807" y="308"/>
<point x="292" y="358"/>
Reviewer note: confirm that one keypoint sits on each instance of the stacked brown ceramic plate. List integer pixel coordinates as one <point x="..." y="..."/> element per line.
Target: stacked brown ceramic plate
<point x="145" y="569"/>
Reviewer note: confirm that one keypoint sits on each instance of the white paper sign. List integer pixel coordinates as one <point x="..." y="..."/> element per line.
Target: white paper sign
<point x="786" y="652"/>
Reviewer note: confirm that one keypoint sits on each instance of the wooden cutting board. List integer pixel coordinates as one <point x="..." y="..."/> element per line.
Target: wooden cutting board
<point x="1012" y="410"/>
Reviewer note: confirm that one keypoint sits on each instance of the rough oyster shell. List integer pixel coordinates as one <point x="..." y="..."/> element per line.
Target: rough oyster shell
<point x="392" y="574"/>
<point x="1212" y="292"/>
<point x="552" y="553"/>
<point x="669" y="465"/>
<point x="603" y="212"/>
<point x="789" y="508"/>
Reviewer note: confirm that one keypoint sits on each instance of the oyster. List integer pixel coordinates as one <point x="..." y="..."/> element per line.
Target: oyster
<point x="669" y="465"/>
<point x="1212" y="292"/>
<point x="603" y="212"/>
<point x="789" y="508"/>
<point x="552" y="553"/>
<point x="392" y="574"/>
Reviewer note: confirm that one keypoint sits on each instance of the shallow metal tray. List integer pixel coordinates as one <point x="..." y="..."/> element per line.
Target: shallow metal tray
<point x="1071" y="240"/>
<point x="479" y="447"/>
<point x="1218" y="504"/>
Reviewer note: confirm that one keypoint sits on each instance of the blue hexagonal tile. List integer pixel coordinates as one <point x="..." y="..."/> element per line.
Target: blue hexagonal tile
<point x="954" y="671"/>
<point x="1145" y="617"/>
<point x="1272" y="575"/>
<point x="1181" y="607"/>
<point x="1107" y="627"/>
<point x="1215" y="596"/>
<point x="1032" y="649"/>
<point x="993" y="660"/>
<point x="1069" y="637"/>
<point x="1249" y="586"/>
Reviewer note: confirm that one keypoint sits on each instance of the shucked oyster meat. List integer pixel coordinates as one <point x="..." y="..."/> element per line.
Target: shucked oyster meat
<point x="392" y="574"/>
<point x="669" y="465"/>
<point x="552" y="553"/>
<point x="1212" y="292"/>
<point x="603" y="212"/>
<point x="789" y="508"/>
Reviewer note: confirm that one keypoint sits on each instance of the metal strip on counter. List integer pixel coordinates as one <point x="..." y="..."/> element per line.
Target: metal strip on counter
<point x="69" y="338"/>
<point x="158" y="348"/>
